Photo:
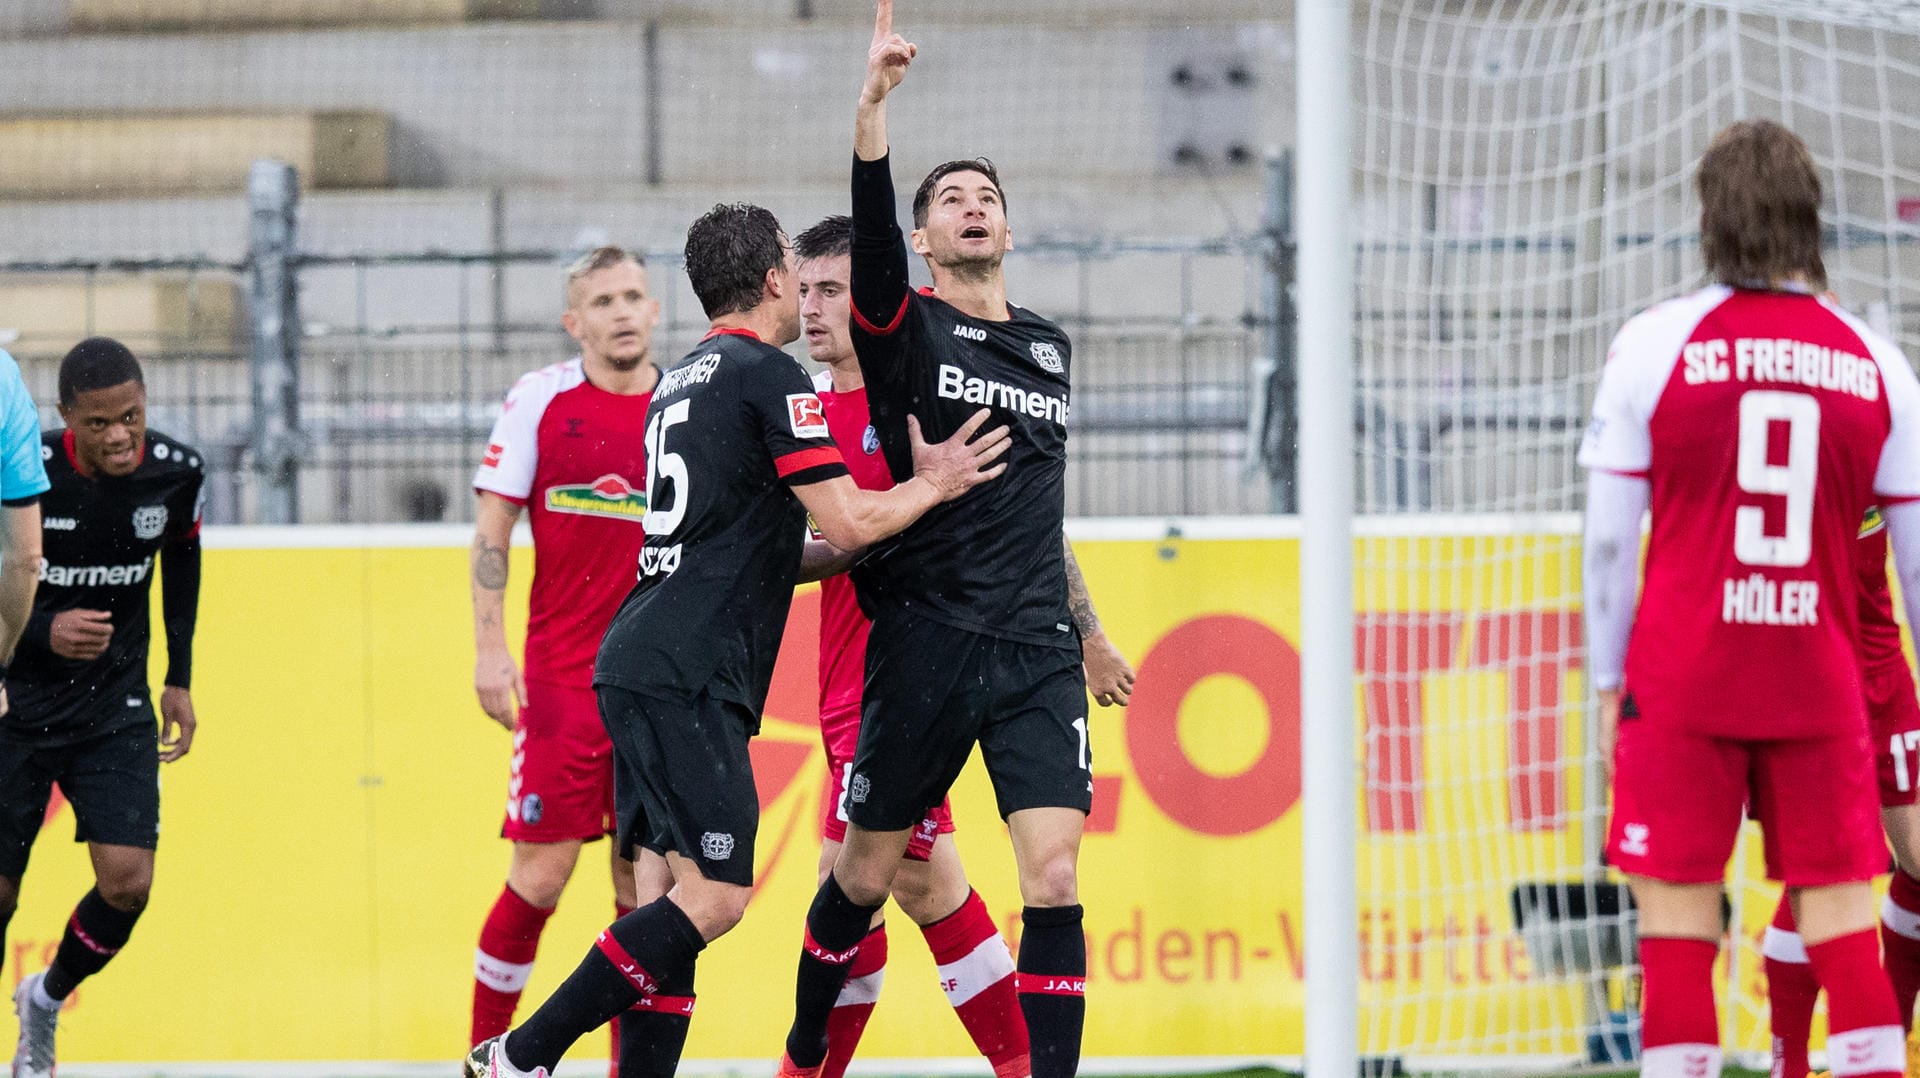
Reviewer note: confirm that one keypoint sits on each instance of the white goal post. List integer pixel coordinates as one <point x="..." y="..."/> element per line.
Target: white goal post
<point x="1520" y="183"/>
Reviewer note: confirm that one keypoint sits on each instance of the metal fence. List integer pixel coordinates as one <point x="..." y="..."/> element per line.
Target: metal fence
<point x="342" y="388"/>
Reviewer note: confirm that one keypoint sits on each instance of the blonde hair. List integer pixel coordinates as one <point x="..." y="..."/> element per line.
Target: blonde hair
<point x="598" y="259"/>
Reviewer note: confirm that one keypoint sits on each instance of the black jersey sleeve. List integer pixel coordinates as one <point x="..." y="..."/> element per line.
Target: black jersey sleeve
<point x="792" y="423"/>
<point x="180" y="605"/>
<point x="879" y="288"/>
<point x="180" y="576"/>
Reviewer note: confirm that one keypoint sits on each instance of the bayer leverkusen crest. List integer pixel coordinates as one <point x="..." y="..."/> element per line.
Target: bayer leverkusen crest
<point x="608" y="496"/>
<point x="1045" y="354"/>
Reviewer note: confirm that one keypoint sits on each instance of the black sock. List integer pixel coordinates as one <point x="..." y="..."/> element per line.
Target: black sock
<point x="1053" y="983"/>
<point x="652" y="1034"/>
<point x="95" y="933"/>
<point x="835" y="926"/>
<point x="657" y="945"/>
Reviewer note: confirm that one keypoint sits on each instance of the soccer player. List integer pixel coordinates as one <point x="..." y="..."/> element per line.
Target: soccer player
<point x="567" y="450"/>
<point x="738" y="456"/>
<point x="976" y="969"/>
<point x="976" y="631"/>
<point x="1894" y="717"/>
<point x="23" y="478"/>
<point x="121" y="497"/>
<point x="1759" y="423"/>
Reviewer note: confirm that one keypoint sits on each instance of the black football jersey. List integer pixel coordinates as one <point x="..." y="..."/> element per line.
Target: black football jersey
<point x="991" y="560"/>
<point x="102" y="540"/>
<point x="731" y="427"/>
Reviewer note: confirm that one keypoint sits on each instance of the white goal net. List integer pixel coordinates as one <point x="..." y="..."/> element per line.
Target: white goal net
<point x="1524" y="186"/>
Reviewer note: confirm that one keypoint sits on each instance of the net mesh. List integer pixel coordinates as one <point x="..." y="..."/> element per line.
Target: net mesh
<point x="1524" y="186"/>
<point x="431" y="133"/>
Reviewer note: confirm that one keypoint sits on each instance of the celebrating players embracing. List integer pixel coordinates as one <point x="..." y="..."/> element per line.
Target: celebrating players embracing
<point x="1759" y="422"/>
<point x="738" y="456"/>
<point x="122" y="498"/>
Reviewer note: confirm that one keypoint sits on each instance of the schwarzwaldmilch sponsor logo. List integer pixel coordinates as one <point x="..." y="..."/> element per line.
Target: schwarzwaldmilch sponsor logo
<point x="607" y="496"/>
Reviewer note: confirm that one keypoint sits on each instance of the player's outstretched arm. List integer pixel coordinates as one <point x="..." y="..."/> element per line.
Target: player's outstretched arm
<point x="888" y="57"/>
<point x="1109" y="675"/>
<point x="851" y="518"/>
<point x="496" y="677"/>
<point x="180" y="613"/>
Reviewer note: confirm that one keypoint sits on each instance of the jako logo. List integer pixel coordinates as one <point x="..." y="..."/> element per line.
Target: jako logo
<point x="67" y="524"/>
<point x="972" y="333"/>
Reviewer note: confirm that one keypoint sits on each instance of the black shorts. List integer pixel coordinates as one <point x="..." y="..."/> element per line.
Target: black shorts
<point x="112" y="780"/>
<point x="932" y="691"/>
<point x="683" y="780"/>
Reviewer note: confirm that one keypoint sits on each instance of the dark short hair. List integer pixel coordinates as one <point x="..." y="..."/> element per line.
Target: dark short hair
<point x="1760" y="206"/>
<point x="97" y="363"/>
<point x="923" y="197"/>
<point x="832" y="236"/>
<point x="729" y="251"/>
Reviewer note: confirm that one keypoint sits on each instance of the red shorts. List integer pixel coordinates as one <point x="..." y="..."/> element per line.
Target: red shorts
<point x="1678" y="796"/>
<point x="1895" y="717"/>
<point x="839" y="732"/>
<point x="561" y="784"/>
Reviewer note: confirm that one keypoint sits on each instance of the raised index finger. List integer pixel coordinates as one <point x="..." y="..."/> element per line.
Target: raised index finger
<point x="883" y="22"/>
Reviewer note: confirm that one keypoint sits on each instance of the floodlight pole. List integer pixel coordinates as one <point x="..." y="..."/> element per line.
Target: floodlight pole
<point x="1328" y="765"/>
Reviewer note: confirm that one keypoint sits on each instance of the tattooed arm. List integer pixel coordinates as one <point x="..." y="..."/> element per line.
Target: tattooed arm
<point x="1109" y="677"/>
<point x="496" y="677"/>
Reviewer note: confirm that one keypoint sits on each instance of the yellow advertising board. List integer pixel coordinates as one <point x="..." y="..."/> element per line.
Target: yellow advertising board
<point x="330" y="847"/>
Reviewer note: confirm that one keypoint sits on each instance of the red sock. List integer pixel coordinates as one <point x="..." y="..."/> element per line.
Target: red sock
<point x="1863" y="1038"/>
<point x="1680" y="1030"/>
<point x="613" y="1026"/>
<point x="508" y="941"/>
<point x="1792" y="990"/>
<point x="976" y="970"/>
<point x="855" y="1005"/>
<point x="1900" y="940"/>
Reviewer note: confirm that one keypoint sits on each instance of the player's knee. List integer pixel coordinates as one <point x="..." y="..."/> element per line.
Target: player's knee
<point x="540" y="880"/>
<point x="1052" y="882"/>
<point x="715" y="910"/>
<point x="9" y="902"/>
<point x="127" y="891"/>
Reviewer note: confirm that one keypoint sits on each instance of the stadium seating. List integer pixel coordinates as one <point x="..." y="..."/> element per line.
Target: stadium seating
<point x="43" y="314"/>
<point x="86" y="15"/>
<point x="65" y="155"/>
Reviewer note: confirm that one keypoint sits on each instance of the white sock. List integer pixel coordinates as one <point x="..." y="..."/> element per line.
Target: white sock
<point x="41" y="999"/>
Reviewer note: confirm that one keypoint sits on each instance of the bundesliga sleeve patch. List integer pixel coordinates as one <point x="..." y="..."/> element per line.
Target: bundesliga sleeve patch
<point x="807" y="415"/>
<point x="492" y="457"/>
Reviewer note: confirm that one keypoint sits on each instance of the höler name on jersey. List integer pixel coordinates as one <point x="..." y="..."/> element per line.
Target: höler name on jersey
<point x="955" y="385"/>
<point x="1755" y="600"/>
<point x="1780" y="360"/>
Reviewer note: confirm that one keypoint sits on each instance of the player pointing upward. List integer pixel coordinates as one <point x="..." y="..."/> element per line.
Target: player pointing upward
<point x="737" y="444"/>
<point x="976" y="634"/>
